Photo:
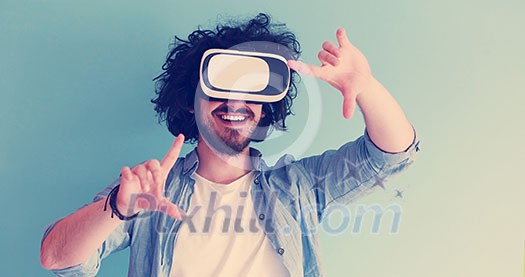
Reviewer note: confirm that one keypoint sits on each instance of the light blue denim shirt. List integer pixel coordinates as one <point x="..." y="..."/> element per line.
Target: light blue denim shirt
<point x="290" y="198"/>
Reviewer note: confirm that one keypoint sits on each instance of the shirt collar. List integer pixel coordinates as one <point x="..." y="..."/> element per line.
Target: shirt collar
<point x="191" y="161"/>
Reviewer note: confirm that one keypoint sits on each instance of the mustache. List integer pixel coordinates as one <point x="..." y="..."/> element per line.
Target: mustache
<point x="225" y="108"/>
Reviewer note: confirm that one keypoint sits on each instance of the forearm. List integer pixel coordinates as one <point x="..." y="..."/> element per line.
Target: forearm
<point x="386" y="122"/>
<point x="78" y="236"/>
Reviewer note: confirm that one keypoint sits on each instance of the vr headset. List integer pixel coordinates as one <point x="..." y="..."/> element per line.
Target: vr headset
<point x="244" y="75"/>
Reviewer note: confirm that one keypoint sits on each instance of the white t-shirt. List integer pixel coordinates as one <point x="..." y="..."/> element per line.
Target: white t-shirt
<point x="223" y="236"/>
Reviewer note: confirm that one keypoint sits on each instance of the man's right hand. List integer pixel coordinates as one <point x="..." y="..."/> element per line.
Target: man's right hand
<point x="142" y="187"/>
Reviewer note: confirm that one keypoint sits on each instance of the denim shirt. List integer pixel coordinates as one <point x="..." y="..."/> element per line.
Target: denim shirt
<point x="290" y="199"/>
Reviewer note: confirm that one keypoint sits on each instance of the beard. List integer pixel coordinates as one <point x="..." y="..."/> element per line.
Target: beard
<point x="233" y="142"/>
<point x="225" y="140"/>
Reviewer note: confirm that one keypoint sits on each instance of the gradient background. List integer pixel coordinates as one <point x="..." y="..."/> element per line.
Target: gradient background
<point x="75" y="84"/>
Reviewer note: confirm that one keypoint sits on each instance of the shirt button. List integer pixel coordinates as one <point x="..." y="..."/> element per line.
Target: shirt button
<point x="280" y="251"/>
<point x="256" y="181"/>
<point x="261" y="216"/>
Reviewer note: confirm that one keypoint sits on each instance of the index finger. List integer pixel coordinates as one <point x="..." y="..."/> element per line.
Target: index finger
<point x="304" y="68"/>
<point x="173" y="154"/>
<point x="342" y="39"/>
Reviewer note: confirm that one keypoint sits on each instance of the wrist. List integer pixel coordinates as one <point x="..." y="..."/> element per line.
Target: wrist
<point x="112" y="200"/>
<point x="367" y="88"/>
<point x="358" y="84"/>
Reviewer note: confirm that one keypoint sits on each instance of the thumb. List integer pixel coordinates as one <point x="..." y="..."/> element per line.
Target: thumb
<point x="171" y="209"/>
<point x="349" y="103"/>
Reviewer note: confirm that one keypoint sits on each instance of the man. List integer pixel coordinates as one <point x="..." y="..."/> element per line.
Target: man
<point x="259" y="220"/>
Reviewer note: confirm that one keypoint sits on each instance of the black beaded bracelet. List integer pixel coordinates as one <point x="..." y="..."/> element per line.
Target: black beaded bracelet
<point x="112" y="198"/>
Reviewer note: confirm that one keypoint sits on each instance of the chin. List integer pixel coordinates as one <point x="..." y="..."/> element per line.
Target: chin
<point x="229" y="142"/>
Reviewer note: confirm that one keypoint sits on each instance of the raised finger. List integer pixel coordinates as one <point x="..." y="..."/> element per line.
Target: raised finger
<point x="331" y="48"/>
<point x="342" y="38"/>
<point x="141" y="173"/>
<point x="173" y="154"/>
<point x="125" y="174"/>
<point x="327" y="58"/>
<point x="127" y="184"/>
<point x="304" y="68"/>
<point x="150" y="180"/>
<point x="153" y="167"/>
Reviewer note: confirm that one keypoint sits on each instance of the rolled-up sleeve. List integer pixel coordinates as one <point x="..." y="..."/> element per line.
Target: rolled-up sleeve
<point x="116" y="241"/>
<point x="348" y="173"/>
<point x="391" y="161"/>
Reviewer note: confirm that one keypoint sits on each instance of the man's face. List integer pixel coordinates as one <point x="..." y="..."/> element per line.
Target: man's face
<point x="227" y="125"/>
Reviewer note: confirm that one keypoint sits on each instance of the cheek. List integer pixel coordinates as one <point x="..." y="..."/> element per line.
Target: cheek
<point x="205" y="107"/>
<point x="257" y="111"/>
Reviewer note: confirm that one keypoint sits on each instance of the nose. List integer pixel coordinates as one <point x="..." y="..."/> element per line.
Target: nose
<point x="235" y="103"/>
<point x="236" y="106"/>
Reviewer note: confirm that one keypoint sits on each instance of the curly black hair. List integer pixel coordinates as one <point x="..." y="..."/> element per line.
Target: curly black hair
<point x="177" y="85"/>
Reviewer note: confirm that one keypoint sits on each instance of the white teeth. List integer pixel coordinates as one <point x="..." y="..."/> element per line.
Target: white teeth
<point x="233" y="117"/>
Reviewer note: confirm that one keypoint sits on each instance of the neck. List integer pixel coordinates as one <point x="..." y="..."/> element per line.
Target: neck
<point x="222" y="168"/>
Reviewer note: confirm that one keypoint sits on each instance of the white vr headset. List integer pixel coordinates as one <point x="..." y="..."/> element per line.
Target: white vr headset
<point x="244" y="75"/>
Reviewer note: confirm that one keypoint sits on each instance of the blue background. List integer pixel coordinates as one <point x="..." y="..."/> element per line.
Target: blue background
<point x="76" y="80"/>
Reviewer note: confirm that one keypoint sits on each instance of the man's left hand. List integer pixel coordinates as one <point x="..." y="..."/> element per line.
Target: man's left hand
<point x="343" y="67"/>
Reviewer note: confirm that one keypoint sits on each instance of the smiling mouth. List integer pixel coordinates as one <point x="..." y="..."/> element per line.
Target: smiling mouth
<point x="231" y="117"/>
